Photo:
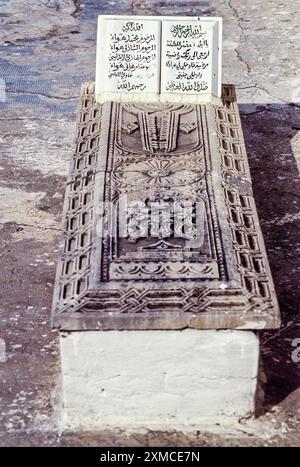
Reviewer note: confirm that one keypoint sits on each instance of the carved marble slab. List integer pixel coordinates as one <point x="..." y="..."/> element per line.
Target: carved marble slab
<point x="160" y="224"/>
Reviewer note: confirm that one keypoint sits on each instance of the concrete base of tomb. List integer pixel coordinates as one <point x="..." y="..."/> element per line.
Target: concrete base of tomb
<point x="157" y="379"/>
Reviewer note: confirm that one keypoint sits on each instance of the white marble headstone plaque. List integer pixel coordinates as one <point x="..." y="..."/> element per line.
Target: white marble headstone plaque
<point x="190" y="59"/>
<point x="128" y="55"/>
<point x="158" y="58"/>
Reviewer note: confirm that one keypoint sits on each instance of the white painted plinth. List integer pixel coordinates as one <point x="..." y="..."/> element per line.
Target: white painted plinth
<point x="157" y="379"/>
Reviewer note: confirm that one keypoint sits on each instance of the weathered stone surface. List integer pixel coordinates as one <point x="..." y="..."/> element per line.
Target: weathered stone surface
<point x="207" y="269"/>
<point x="157" y="379"/>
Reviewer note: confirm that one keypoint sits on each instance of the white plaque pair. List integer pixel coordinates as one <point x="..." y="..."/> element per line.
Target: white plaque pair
<point x="158" y="58"/>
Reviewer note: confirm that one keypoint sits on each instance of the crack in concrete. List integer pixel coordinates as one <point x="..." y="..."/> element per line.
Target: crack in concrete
<point x="255" y="112"/>
<point x="262" y="88"/>
<point x="291" y="324"/>
<point x="33" y="226"/>
<point x="242" y="36"/>
<point x="21" y="42"/>
<point x="64" y="120"/>
<point x="77" y="8"/>
<point x="41" y="94"/>
<point x="240" y="58"/>
<point x="132" y="7"/>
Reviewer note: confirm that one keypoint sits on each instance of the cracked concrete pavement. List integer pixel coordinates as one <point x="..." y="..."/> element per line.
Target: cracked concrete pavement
<point x="47" y="51"/>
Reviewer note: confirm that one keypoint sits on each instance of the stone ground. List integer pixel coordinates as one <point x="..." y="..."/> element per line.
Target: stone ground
<point x="47" y="50"/>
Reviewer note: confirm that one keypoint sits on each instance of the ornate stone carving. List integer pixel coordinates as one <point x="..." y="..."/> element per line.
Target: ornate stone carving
<point x="160" y="225"/>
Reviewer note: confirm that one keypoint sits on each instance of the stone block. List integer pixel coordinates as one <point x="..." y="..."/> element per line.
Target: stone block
<point x="157" y="379"/>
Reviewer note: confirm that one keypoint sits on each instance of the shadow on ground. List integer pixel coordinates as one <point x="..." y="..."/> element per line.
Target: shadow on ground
<point x="271" y="134"/>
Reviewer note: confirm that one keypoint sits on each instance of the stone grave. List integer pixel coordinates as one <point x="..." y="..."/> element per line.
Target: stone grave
<point x="163" y="278"/>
